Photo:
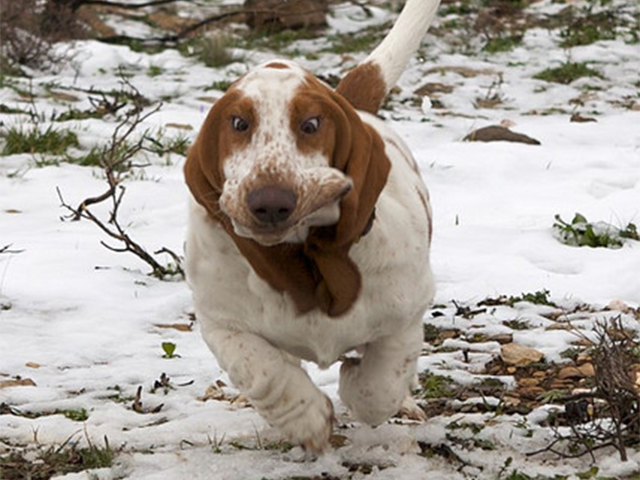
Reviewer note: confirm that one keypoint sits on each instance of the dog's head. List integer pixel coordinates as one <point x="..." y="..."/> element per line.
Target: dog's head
<point x="280" y="153"/>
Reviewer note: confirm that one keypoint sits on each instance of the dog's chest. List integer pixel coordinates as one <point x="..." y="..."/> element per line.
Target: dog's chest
<point x="237" y="298"/>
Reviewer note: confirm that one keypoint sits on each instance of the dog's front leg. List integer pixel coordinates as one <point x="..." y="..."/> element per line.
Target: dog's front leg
<point x="375" y="386"/>
<point x="277" y="386"/>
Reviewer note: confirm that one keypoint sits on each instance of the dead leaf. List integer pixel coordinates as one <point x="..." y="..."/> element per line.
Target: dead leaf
<point x="64" y="97"/>
<point x="182" y="327"/>
<point x="179" y="126"/>
<point x="431" y="88"/>
<point x="501" y="338"/>
<point x="576" y="117"/>
<point x="338" y="441"/>
<point x="17" y="382"/>
<point x="465" y="72"/>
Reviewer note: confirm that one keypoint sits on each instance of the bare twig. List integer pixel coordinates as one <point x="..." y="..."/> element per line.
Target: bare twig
<point x="125" y="6"/>
<point x="612" y="418"/>
<point x="7" y="249"/>
<point x="116" y="232"/>
<point x="116" y="161"/>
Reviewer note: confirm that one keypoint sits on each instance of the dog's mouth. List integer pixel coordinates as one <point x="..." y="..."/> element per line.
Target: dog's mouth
<point x="271" y="214"/>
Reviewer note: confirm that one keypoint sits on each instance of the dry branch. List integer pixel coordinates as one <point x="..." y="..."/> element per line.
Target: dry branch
<point x="116" y="160"/>
<point x="609" y="416"/>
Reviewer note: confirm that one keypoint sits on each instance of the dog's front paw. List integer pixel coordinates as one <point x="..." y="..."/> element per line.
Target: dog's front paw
<point x="411" y="410"/>
<point x="308" y="422"/>
<point x="372" y="398"/>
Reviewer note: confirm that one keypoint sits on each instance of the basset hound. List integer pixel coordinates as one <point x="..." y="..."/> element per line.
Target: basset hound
<point x="308" y="238"/>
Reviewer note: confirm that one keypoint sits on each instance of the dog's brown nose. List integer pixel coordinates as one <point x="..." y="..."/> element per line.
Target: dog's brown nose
<point x="272" y="204"/>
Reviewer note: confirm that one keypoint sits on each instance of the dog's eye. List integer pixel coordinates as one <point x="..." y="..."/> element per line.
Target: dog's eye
<point x="239" y="124"/>
<point x="310" y="125"/>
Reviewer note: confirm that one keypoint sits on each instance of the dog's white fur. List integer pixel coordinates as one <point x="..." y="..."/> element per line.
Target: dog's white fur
<point x="256" y="333"/>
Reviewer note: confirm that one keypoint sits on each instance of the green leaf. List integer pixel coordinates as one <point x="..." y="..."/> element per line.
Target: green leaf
<point x="592" y="472"/>
<point x="169" y="349"/>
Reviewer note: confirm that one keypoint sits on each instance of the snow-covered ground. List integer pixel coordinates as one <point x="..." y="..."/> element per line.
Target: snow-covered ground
<point x="85" y="325"/>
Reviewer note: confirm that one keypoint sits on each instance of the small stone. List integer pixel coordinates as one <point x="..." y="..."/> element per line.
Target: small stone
<point x="445" y="334"/>
<point x="559" y="326"/>
<point x="569" y="372"/>
<point x="430" y="88"/>
<point x="584" y="370"/>
<point x="531" y="393"/>
<point x="576" y="117"/>
<point x="515" y="354"/>
<point x="587" y="370"/>
<point x="582" y="342"/>
<point x="528" y="382"/>
<point x="511" y="400"/>
<point x="619" y="306"/>
<point x="496" y="133"/>
<point x="560" y="385"/>
<point x="501" y="338"/>
<point x="338" y="441"/>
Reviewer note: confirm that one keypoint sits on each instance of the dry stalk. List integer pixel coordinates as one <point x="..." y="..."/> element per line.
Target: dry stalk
<point x="116" y="160"/>
<point x="609" y="416"/>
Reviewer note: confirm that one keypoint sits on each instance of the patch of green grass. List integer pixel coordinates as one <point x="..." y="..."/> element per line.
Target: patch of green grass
<point x="93" y="158"/>
<point x="541" y="297"/>
<point x="221" y="85"/>
<point x="77" y="415"/>
<point x="567" y="73"/>
<point x="55" y="461"/>
<point x="582" y="233"/>
<point x="435" y="386"/>
<point x="7" y="109"/>
<point x="154" y="71"/>
<point x="511" y="4"/>
<point x="364" y="41"/>
<point x="465" y="7"/>
<point x="517" y="324"/>
<point x="75" y="114"/>
<point x="34" y="140"/>
<point x="277" y="41"/>
<point x="474" y="428"/>
<point x="586" y="32"/>
<point x="178" y="145"/>
<point x="516" y="475"/>
<point x="502" y="44"/>
<point x="213" y="50"/>
<point x="430" y="332"/>
<point x="571" y="353"/>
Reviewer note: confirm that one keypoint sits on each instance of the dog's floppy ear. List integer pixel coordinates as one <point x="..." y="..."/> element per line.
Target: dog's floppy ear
<point x="359" y="152"/>
<point x="203" y="168"/>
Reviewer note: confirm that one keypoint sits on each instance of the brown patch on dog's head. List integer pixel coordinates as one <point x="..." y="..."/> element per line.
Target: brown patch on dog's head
<point x="277" y="65"/>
